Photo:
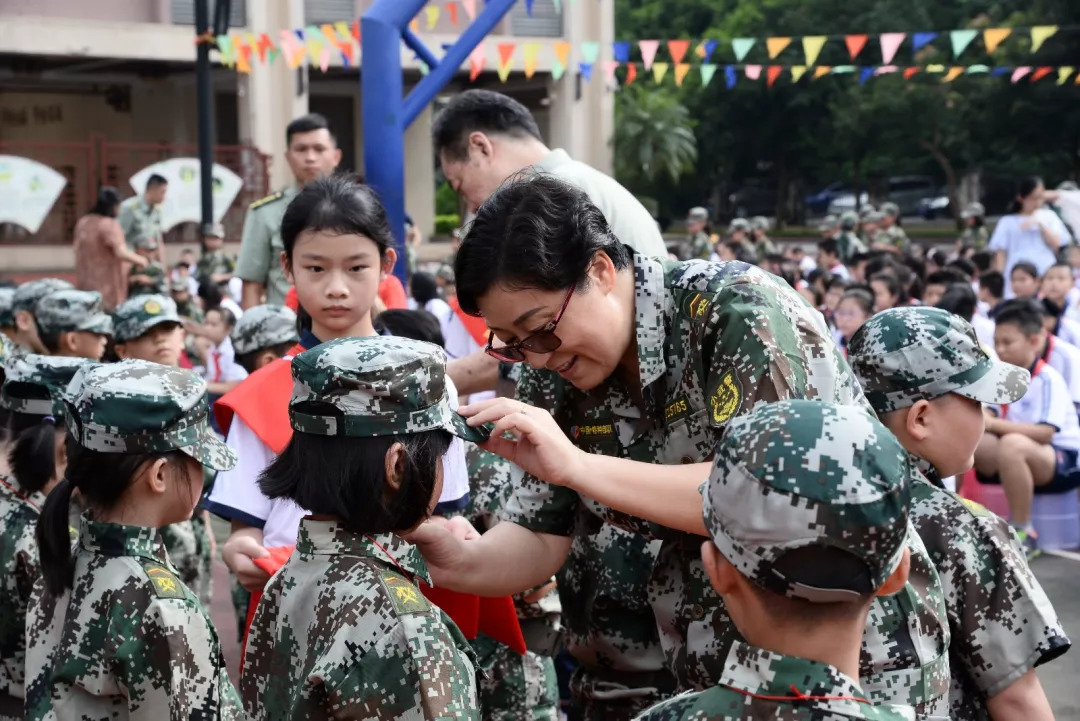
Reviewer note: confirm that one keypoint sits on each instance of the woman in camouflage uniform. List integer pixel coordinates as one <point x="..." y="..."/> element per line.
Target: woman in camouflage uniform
<point x="111" y="630"/>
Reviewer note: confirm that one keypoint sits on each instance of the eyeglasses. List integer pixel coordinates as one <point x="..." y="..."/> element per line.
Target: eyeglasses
<point x="542" y="341"/>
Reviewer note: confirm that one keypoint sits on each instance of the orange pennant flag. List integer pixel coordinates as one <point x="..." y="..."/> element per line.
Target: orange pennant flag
<point x="855" y="44"/>
<point x="356" y="30"/>
<point x="953" y="74"/>
<point x="681" y="69"/>
<point x="994" y="37"/>
<point x="678" y="49"/>
<point x="631" y="73"/>
<point x="263" y="45"/>
<point x="562" y="53"/>
<point x="414" y="25"/>
<point x="243" y="59"/>
<point x="1040" y="73"/>
<point x="776" y="46"/>
<point x="451" y="7"/>
<point x="821" y="71"/>
<point x="772" y="74"/>
<point x="909" y="73"/>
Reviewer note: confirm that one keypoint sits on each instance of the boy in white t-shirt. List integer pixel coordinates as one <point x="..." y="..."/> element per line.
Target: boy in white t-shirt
<point x="1059" y="289"/>
<point x="1033" y="443"/>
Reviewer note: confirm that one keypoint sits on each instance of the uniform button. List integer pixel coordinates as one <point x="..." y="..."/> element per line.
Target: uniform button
<point x="698" y="612"/>
<point x="686" y="460"/>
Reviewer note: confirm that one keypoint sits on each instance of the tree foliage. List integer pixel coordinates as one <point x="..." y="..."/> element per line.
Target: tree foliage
<point x="654" y="137"/>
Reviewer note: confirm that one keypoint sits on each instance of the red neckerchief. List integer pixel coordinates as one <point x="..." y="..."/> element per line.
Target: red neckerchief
<point x="799" y="696"/>
<point x="19" y="494"/>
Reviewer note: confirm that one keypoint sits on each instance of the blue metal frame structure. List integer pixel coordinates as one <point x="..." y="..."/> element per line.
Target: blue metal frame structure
<point x="386" y="112"/>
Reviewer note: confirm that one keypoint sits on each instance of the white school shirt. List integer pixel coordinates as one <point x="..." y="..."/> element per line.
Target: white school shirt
<point x="1065" y="359"/>
<point x="1020" y="244"/>
<point x="1068" y="330"/>
<point x="1047" y="402"/>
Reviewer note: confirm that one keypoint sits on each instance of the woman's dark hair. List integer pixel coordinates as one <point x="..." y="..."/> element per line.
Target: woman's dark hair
<point x="108" y="201"/>
<point x="338" y="204"/>
<point x="49" y="339"/>
<point x="742" y="252"/>
<point x="416" y="324"/>
<point x="423" y="287"/>
<point x="346" y="477"/>
<point x="535" y="232"/>
<point x="959" y="299"/>
<point x="820" y="274"/>
<point x="1023" y="188"/>
<point x="892" y="284"/>
<point x="947" y="276"/>
<point x="102" y="478"/>
<point x="1027" y="267"/>
<point x="32" y="456"/>
<point x="863" y="297"/>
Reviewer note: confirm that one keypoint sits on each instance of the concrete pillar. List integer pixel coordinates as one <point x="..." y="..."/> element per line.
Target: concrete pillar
<point x="273" y="94"/>
<point x="420" y="173"/>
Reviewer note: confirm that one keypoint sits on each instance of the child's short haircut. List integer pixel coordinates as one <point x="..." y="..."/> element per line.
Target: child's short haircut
<point x="947" y="276"/>
<point x="993" y="282"/>
<point x="959" y="298"/>
<point x="830" y="246"/>
<point x="1024" y="313"/>
<point x="983" y="260"/>
<point x="1025" y="267"/>
<point x="227" y="317"/>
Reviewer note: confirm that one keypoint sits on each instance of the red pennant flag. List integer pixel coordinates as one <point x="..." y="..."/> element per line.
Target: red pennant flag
<point x="678" y="49"/>
<point x="1040" y="73"/>
<point x="772" y="74"/>
<point x="347" y="51"/>
<point x="451" y="7"/>
<point x="506" y="51"/>
<point x="855" y="44"/>
<point x="356" y="30"/>
<point x="909" y="73"/>
<point x="631" y="73"/>
<point x="263" y="45"/>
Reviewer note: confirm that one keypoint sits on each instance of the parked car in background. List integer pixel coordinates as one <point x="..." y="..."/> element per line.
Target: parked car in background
<point x="818" y="203"/>
<point x="905" y="191"/>
<point x="846" y="202"/>
<point x="936" y="206"/>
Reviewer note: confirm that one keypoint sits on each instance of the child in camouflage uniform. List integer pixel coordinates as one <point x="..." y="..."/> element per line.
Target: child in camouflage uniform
<point x="926" y="375"/>
<point x="37" y="460"/>
<point x="23" y="305"/>
<point x="215" y="266"/>
<point x="264" y="334"/>
<point x="806" y="529"/>
<point x="111" y="631"/>
<point x="150" y="279"/>
<point x="73" y="323"/>
<point x="342" y="630"/>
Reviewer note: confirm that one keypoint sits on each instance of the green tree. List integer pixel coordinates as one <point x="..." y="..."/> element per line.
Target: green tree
<point x="654" y="138"/>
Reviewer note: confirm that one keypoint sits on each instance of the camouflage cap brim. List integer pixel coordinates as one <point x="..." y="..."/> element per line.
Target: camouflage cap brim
<point x="211" y="451"/>
<point x="1003" y="383"/>
<point x="434" y="417"/>
<point x="101" y="323"/>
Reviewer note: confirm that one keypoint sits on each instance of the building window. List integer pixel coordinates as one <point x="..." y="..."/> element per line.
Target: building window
<point x="545" y="22"/>
<point x="317" y="12"/>
<point x="183" y="12"/>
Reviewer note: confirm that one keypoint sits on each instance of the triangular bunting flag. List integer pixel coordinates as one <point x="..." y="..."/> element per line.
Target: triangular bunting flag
<point x="470" y="8"/>
<point x="1040" y="73"/>
<point x="812" y="46"/>
<point x="356" y="30"/>
<point x="621" y="51"/>
<point x="562" y="54"/>
<point x="994" y="37"/>
<point x="530" y="52"/>
<point x="590" y="51"/>
<point x="477" y="60"/>
<point x="451" y="7"/>
<point x="528" y="7"/>
<point x="999" y="71"/>
<point x="921" y="40"/>
<point x="414" y="25"/>
<point x="960" y="40"/>
<point x="706" y="49"/>
<point x="855" y="44"/>
<point x="610" y="66"/>
<point x="631" y="73"/>
<point x="681" y="69"/>
<point x="977" y="69"/>
<point x="557" y="4"/>
<point x="557" y="69"/>
<point x="1039" y="35"/>
<point x="315" y="41"/>
<point x="742" y="46"/>
<point x="432" y="12"/>
<point x="890" y="43"/>
<point x="753" y="72"/>
<point x="243" y="59"/>
<point x="648" y="51"/>
<point x="506" y="55"/>
<point x="909" y="73"/>
<point x="886" y="70"/>
<point x="264" y="43"/>
<point x="659" y="70"/>
<point x="730" y="77"/>
<point x="935" y="68"/>
<point x="272" y="55"/>
<point x="1019" y="73"/>
<point x="348" y="57"/>
<point x="821" y="71"/>
<point x="225" y="47"/>
<point x="586" y="71"/>
<point x="324" y="59"/>
<point x="771" y="74"/>
<point x="954" y="72"/>
<point x="1064" y="73"/>
<point x="776" y="46"/>
<point x="865" y="74"/>
<point x="343" y="33"/>
<point x="677" y="49"/>
<point x="843" y="70"/>
<point x="797" y="71"/>
<point x="707" y="72"/>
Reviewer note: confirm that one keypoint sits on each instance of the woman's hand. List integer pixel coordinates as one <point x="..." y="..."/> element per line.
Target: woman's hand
<point x="442" y="543"/>
<point x="539" y="446"/>
<point x="238" y="552"/>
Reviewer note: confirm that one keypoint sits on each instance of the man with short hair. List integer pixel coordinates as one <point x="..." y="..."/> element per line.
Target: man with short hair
<point x="312" y="153"/>
<point x="140" y="215"/>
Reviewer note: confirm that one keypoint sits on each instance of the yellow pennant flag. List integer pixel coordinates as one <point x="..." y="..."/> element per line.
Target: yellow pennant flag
<point x="822" y="71"/>
<point x="954" y="73"/>
<point x="659" y="70"/>
<point x="529" y="52"/>
<point x="797" y="71"/>
<point x="812" y="46"/>
<point x="432" y="12"/>
<point x="935" y="68"/>
<point x="1039" y="35"/>
<point x="1063" y="73"/>
<point x="680" y="73"/>
<point x="994" y="37"/>
<point x="777" y="46"/>
<point x="343" y="31"/>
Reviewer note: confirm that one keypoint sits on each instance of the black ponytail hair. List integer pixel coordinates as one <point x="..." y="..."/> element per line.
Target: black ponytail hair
<point x="340" y="204"/>
<point x="102" y="479"/>
<point x="1024" y="188"/>
<point x="32" y="456"/>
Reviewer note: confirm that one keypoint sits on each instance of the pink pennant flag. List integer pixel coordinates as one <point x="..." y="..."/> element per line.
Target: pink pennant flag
<point x="890" y="43"/>
<point x="470" y="8"/>
<point x="477" y="59"/>
<point x="324" y="59"/>
<point x="648" y="52"/>
<point x="753" y="72"/>
<point x="886" y="69"/>
<point x="1020" y="73"/>
<point x="609" y="70"/>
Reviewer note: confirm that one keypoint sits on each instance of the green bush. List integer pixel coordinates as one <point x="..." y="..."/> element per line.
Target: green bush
<point x="446" y="200"/>
<point x="445" y="224"/>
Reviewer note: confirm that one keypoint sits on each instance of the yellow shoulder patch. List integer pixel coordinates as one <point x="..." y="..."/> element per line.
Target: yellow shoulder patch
<point x="267" y="200"/>
<point x="726" y="398"/>
<point x="404" y="595"/>
<point x="164" y="581"/>
<point x="977" y="509"/>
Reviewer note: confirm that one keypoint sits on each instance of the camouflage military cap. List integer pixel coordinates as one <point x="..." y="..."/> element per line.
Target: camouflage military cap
<point x="217" y="230"/>
<point x="1068" y="185"/>
<point x="179" y="285"/>
<point x="849" y="219"/>
<point x="808" y="474"/>
<point x="739" y="224"/>
<point x="264" y="326"/>
<point x="829" y="222"/>
<point x="890" y="209"/>
<point x="697" y="214"/>
<point x="904" y="355"/>
<point x="146" y="242"/>
<point x="377" y="386"/>
<point x="759" y="222"/>
<point x="973" y="210"/>
<point x="137" y="315"/>
<point x="73" y="310"/>
<point x="446" y="273"/>
<point x="140" y="407"/>
<point x="35" y="383"/>
<point x="28" y="294"/>
<point x="873" y="216"/>
<point x="7" y="310"/>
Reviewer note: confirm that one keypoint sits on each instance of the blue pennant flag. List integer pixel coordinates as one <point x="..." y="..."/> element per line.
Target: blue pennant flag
<point x="865" y="74"/>
<point x="622" y="51"/>
<point x="729" y="76"/>
<point x="528" y="7"/>
<point x="998" y="72"/>
<point x="299" y="34"/>
<point x="710" y="47"/>
<point x="586" y="70"/>
<point x="921" y="40"/>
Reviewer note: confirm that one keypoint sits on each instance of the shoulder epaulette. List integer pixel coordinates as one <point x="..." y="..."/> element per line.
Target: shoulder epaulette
<point x="267" y="200"/>
<point x="164" y="581"/>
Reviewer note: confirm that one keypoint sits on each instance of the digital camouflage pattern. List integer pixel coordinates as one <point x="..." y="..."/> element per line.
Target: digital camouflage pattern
<point x="758" y="684"/>
<point x="73" y="310"/>
<point x="342" y="631"/>
<point x="28" y="294"/>
<point x="7" y="310"/>
<point x="214" y="262"/>
<point x="136" y="406"/>
<point x="895" y="236"/>
<point x="798" y="473"/>
<point x="20" y="567"/>
<point x="138" y="314"/>
<point x="848" y="245"/>
<point x="383" y="386"/>
<point x="138" y="219"/>
<point x="904" y="355"/>
<point x="146" y="243"/>
<point x="156" y="279"/>
<point x="128" y="640"/>
<point x="736" y="336"/>
<point x="264" y="326"/>
<point x="977" y="237"/>
<point x="1002" y="623"/>
<point x="188" y="546"/>
<point x="697" y="247"/>
<point x="512" y="687"/>
<point x="189" y="308"/>
<point x="34" y="383"/>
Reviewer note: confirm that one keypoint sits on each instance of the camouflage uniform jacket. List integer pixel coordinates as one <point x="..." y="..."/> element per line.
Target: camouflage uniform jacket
<point x="188" y="309"/>
<point x="128" y="640"/>
<point x="139" y="220"/>
<point x="759" y="684"/>
<point x="896" y="237"/>
<point x="342" y="632"/>
<point x="847" y="245"/>
<point x="713" y="339"/>
<point x="697" y="247"/>
<point x="975" y="237"/>
<point x="1002" y="622"/>
<point x="214" y="262"/>
<point x="156" y="272"/>
<point x="19" y="569"/>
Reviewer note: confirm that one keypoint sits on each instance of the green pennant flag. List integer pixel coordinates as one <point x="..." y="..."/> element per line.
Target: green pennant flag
<point x="557" y="69"/>
<point x="843" y="69"/>
<point x="707" y="72"/>
<point x="973" y="69"/>
<point x="742" y="46"/>
<point x="961" y="39"/>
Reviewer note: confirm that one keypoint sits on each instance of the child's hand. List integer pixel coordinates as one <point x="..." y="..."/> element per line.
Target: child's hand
<point x="237" y="554"/>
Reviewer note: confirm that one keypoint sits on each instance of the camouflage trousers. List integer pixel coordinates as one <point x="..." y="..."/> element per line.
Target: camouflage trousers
<point x="514" y="687"/>
<point x="188" y="545"/>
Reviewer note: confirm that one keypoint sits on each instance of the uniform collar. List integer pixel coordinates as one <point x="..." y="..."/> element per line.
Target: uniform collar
<point x="757" y="672"/>
<point x="926" y="468"/>
<point x="114" y="539"/>
<point x="553" y="160"/>
<point x="9" y="488"/>
<point x="650" y="300"/>
<point x="330" y="538"/>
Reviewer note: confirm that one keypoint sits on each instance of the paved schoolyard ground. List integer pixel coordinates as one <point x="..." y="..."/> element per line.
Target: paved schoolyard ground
<point x="1060" y="576"/>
